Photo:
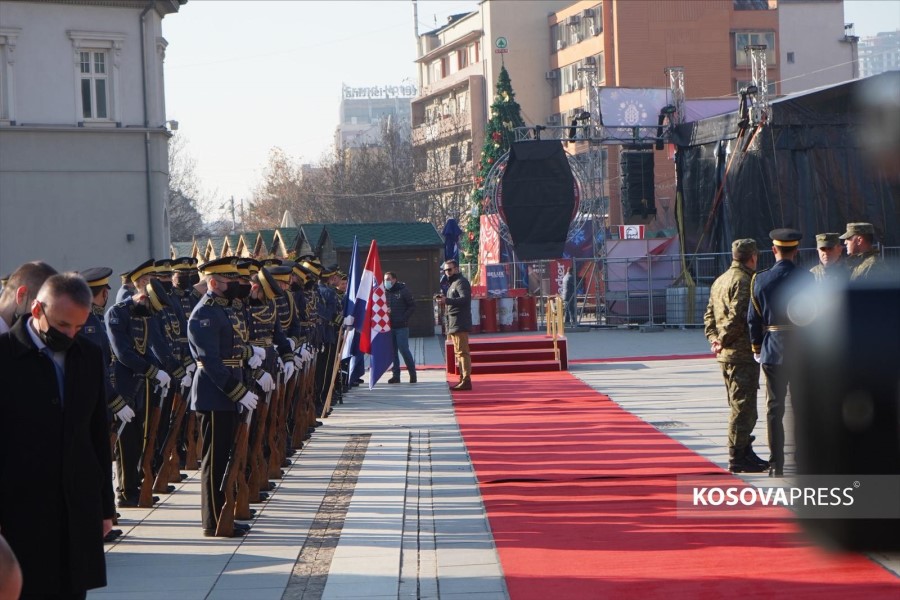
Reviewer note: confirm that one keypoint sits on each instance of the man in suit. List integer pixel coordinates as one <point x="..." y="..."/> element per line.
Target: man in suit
<point x="19" y="291"/>
<point x="771" y="332"/>
<point x="60" y="433"/>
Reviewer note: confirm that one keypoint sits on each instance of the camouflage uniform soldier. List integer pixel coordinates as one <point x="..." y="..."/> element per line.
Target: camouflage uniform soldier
<point x="831" y="265"/>
<point x="863" y="259"/>
<point x="729" y="336"/>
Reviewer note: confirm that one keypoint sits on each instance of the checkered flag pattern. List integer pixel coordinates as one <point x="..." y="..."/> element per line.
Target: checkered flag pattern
<point x="381" y="320"/>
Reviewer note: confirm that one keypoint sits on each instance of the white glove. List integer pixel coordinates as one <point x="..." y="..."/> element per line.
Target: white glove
<point x="163" y="378"/>
<point x="265" y="382"/>
<point x="260" y="352"/>
<point x="292" y="343"/>
<point x="249" y="400"/>
<point x="254" y="362"/>
<point x="186" y="381"/>
<point x="288" y="371"/>
<point x="348" y="320"/>
<point x="298" y="362"/>
<point x="757" y="358"/>
<point x="305" y="354"/>
<point x="190" y="369"/>
<point x="126" y="414"/>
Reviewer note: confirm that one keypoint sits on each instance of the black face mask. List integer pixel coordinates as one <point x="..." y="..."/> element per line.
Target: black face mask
<point x="194" y="278"/>
<point x="184" y="283"/>
<point x="296" y="287"/>
<point x="141" y="310"/>
<point x="232" y="290"/>
<point x="167" y="285"/>
<point x="245" y="291"/>
<point x="55" y="339"/>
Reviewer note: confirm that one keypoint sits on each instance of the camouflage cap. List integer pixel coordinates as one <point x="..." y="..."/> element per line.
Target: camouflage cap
<point x="828" y="240"/>
<point x="858" y="229"/>
<point x="743" y="246"/>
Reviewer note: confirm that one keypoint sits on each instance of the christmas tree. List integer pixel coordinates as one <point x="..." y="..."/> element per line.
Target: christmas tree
<point x="498" y="137"/>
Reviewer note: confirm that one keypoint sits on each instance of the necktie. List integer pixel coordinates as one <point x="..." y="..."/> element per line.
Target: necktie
<point x="60" y="374"/>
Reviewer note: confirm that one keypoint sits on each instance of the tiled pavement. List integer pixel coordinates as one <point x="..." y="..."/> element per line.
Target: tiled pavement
<point x="413" y="524"/>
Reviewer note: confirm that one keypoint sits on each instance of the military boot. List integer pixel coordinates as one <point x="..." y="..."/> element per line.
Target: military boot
<point x="739" y="462"/>
<point x="753" y="456"/>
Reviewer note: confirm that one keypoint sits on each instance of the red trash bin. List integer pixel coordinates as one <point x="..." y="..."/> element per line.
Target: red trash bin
<point x="488" y="310"/>
<point x="528" y="313"/>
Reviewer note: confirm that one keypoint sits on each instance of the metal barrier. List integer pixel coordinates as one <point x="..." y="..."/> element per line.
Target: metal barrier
<point x="663" y="290"/>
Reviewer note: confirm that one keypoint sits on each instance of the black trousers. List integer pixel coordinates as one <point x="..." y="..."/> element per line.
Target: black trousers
<point x="128" y="454"/>
<point x="777" y="385"/>
<point x="324" y="370"/>
<point x="217" y="432"/>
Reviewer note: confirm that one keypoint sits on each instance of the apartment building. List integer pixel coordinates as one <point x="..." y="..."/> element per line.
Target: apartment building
<point x="817" y="47"/>
<point x="458" y="67"/>
<point x="879" y="53"/>
<point x="629" y="44"/>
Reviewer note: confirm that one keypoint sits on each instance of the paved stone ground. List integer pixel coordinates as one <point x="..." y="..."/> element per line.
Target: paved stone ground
<point x="383" y="502"/>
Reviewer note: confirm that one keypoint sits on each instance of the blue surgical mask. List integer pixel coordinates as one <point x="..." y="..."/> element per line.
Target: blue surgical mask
<point x="388" y="284"/>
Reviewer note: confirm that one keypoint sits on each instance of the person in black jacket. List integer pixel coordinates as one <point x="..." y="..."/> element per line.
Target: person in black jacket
<point x="54" y="424"/>
<point x="401" y="306"/>
<point x="459" y="321"/>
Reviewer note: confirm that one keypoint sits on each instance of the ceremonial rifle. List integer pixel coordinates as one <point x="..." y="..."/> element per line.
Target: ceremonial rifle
<point x="257" y="460"/>
<point x="190" y="434"/>
<point x="225" y="525"/>
<point x="114" y="437"/>
<point x="336" y="367"/>
<point x="164" y="475"/>
<point x="150" y="430"/>
<point x="276" y="442"/>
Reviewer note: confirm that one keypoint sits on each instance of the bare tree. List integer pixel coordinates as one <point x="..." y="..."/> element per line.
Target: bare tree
<point x="444" y="171"/>
<point x="184" y="195"/>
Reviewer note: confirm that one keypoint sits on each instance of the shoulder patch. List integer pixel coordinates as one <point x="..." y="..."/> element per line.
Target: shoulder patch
<point x="89" y="329"/>
<point x="204" y="322"/>
<point x="114" y="320"/>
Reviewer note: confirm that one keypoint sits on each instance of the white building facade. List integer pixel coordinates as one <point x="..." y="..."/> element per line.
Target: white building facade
<point x="83" y="135"/>
<point x="816" y="49"/>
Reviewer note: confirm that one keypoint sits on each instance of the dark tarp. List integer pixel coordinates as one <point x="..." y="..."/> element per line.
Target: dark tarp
<point x="804" y="170"/>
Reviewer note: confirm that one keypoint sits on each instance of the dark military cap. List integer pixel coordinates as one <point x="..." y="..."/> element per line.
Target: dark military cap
<point x="269" y="284"/>
<point x="329" y="271"/>
<point x="243" y="267"/>
<point x="184" y="263"/>
<point x="272" y="262"/>
<point x="311" y="267"/>
<point x="280" y="273"/>
<point x="163" y="266"/>
<point x="145" y="268"/>
<point x="251" y="264"/>
<point x="97" y="276"/>
<point x="225" y="266"/>
<point x="828" y="240"/>
<point x="157" y="294"/>
<point x="858" y="229"/>
<point x="743" y="246"/>
<point x="785" y="237"/>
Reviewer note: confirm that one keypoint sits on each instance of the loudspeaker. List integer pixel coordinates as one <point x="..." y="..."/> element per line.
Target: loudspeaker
<point x="538" y="198"/>
<point x="637" y="183"/>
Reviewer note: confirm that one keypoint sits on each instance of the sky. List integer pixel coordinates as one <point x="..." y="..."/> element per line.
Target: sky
<point x="243" y="77"/>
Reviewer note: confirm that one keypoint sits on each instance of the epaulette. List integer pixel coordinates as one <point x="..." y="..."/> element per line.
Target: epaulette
<point x="752" y="295"/>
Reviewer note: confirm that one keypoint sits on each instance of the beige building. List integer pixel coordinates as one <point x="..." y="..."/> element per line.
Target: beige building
<point x="457" y="71"/>
<point x="810" y="61"/>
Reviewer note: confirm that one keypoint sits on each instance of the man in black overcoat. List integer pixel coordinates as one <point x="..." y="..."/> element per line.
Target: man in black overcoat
<point x="54" y="431"/>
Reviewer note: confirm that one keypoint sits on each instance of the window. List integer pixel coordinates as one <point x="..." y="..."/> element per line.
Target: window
<point x="462" y="58"/>
<point x="454" y="155"/>
<point x="474" y="51"/>
<point x="469" y="151"/>
<point x="753" y="38"/>
<point x="8" y="37"/>
<point x="435" y="72"/>
<point x="445" y="66"/>
<point x="790" y="58"/>
<point x="96" y="71"/>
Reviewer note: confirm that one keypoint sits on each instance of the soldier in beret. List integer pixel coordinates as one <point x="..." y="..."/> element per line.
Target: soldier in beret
<point x="771" y="331"/>
<point x="729" y="337"/>
<point x="831" y="265"/>
<point x="864" y="260"/>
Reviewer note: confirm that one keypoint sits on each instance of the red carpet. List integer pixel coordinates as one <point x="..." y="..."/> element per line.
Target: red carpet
<point x="580" y="495"/>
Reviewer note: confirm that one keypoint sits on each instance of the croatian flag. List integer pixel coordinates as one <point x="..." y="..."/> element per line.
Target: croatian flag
<point x="375" y="329"/>
<point x="353" y="278"/>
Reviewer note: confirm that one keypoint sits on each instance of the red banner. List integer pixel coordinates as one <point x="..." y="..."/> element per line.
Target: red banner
<point x="489" y="250"/>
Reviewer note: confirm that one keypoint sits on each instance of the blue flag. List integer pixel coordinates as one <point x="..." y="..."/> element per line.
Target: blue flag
<point x="353" y="278"/>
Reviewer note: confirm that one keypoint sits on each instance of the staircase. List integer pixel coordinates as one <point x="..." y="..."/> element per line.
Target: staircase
<point x="512" y="354"/>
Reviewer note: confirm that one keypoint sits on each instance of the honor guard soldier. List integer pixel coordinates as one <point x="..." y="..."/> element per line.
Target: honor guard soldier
<point x="184" y="278"/>
<point x="137" y="341"/>
<point x="218" y="389"/>
<point x="832" y="266"/>
<point x="771" y="331"/>
<point x="127" y="287"/>
<point x="863" y="258"/>
<point x="94" y="330"/>
<point x="328" y="312"/>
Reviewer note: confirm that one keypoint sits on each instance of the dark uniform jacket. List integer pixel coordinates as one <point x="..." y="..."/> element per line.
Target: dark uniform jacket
<point x="65" y="448"/>
<point x="289" y="318"/>
<point x="328" y="312"/>
<point x="264" y="330"/>
<point x="94" y="330"/>
<point x="220" y="353"/>
<point x="402" y="305"/>
<point x="770" y="328"/>
<point x="139" y="346"/>
<point x="459" y="304"/>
